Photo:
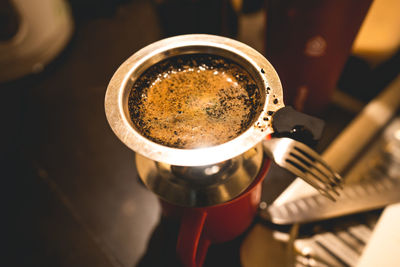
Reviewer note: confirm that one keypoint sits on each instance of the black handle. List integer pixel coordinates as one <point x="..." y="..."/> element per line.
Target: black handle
<point x="287" y="122"/>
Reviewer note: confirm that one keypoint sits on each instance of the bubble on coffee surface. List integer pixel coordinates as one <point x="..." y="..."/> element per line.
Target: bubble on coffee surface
<point x="192" y="101"/>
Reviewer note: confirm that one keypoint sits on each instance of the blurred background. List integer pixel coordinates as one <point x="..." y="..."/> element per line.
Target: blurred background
<point x="71" y="191"/>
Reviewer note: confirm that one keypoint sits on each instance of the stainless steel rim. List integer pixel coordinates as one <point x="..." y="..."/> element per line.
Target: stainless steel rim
<point x="116" y="99"/>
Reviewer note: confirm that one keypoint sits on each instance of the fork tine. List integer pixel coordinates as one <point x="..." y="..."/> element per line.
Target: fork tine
<point x="329" y="185"/>
<point x="312" y="154"/>
<point x="310" y="166"/>
<point x="316" y="158"/>
<point x="302" y="161"/>
<point x="291" y="166"/>
<point x="310" y="163"/>
<point x="335" y="177"/>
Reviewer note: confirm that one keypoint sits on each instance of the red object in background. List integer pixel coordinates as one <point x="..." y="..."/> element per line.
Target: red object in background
<point x="308" y="43"/>
<point x="199" y="227"/>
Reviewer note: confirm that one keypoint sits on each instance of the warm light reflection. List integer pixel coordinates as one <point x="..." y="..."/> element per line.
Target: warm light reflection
<point x="379" y="36"/>
<point x="212" y="170"/>
<point x="397" y="134"/>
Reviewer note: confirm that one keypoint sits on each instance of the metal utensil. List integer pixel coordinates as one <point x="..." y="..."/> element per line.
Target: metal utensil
<point x="304" y="162"/>
<point x="364" y="196"/>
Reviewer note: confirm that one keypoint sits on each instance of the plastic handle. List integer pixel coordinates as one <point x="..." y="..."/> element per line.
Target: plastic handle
<point x="192" y="245"/>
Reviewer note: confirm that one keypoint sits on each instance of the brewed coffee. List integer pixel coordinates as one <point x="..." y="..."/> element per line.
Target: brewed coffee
<point x="194" y="100"/>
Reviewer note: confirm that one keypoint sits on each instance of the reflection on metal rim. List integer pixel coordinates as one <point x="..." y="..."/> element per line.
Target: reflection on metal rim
<point x="116" y="101"/>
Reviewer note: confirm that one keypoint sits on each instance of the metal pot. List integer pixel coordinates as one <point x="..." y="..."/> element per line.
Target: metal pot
<point x="202" y="176"/>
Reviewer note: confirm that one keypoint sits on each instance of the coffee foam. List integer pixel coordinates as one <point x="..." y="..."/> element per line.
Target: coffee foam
<point x="193" y="101"/>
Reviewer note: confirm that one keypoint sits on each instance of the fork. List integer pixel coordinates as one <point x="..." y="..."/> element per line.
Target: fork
<point x="305" y="163"/>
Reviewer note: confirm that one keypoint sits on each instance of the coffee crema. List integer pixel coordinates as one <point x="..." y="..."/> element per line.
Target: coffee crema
<point x="195" y="100"/>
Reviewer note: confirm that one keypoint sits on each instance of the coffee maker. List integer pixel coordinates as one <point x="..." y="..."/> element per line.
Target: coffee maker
<point x="213" y="191"/>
